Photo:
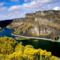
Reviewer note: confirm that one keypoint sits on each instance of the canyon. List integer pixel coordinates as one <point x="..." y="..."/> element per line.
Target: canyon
<point x="39" y="24"/>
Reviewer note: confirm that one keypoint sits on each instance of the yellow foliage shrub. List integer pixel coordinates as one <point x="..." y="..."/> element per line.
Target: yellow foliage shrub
<point x="20" y="52"/>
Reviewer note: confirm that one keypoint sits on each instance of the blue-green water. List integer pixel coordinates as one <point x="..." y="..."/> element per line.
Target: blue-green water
<point x="6" y="32"/>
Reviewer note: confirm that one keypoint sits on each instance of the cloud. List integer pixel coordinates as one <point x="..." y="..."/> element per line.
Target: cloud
<point x="11" y="15"/>
<point x="17" y="11"/>
<point x="36" y="3"/>
<point x="14" y="0"/>
<point x="1" y="4"/>
<point x="14" y="8"/>
<point x="2" y="7"/>
<point x="56" y="8"/>
<point x="24" y="6"/>
<point x="27" y="1"/>
<point x="31" y="5"/>
<point x="42" y="1"/>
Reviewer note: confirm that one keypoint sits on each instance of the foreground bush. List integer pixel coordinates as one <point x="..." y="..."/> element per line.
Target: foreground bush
<point x="7" y="45"/>
<point x="7" y="40"/>
<point x="29" y="53"/>
<point x="20" y="52"/>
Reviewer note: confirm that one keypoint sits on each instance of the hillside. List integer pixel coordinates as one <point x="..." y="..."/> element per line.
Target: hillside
<point x="38" y="24"/>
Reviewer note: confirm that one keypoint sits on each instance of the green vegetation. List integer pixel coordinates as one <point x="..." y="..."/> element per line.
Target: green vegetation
<point x="11" y="50"/>
<point x="7" y="45"/>
<point x="21" y="38"/>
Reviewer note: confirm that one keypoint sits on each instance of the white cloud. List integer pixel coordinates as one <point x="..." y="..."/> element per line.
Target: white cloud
<point x="14" y="0"/>
<point x="42" y="1"/>
<point x="3" y="9"/>
<point x="24" y="6"/>
<point x="32" y="5"/>
<point x="1" y="4"/>
<point x="27" y="0"/>
<point x="17" y="11"/>
<point x="29" y="5"/>
<point x="11" y="15"/>
<point x="14" y="8"/>
<point x="36" y="3"/>
<point x="56" y="8"/>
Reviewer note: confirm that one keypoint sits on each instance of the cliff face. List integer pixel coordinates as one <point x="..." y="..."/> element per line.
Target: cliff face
<point x="40" y="24"/>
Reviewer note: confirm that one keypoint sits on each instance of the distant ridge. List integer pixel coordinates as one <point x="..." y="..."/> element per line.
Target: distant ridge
<point x="5" y="23"/>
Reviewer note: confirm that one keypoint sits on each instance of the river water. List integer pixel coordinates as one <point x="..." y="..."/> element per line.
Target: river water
<point x="6" y="32"/>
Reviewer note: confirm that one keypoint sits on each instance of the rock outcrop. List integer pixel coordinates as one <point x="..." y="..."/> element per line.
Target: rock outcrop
<point x="39" y="24"/>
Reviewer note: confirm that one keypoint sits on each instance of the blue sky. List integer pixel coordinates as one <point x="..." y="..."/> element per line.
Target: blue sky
<point x="10" y="9"/>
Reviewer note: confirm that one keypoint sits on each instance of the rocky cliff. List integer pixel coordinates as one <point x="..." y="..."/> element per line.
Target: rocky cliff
<point x="38" y="24"/>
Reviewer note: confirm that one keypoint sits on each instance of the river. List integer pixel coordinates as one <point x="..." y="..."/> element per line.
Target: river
<point x="6" y="32"/>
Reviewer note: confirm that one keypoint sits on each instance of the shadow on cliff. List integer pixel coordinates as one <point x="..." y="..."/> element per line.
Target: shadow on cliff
<point x="5" y="23"/>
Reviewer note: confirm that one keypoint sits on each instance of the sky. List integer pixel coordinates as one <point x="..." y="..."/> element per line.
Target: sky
<point x="10" y="9"/>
